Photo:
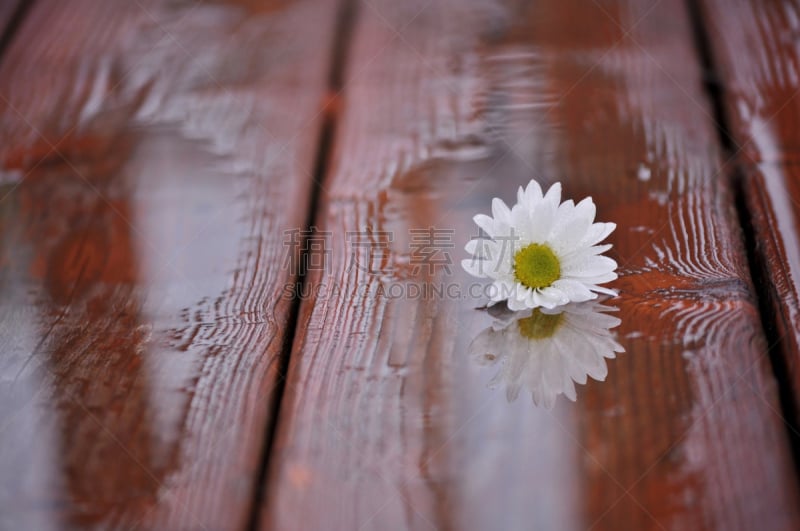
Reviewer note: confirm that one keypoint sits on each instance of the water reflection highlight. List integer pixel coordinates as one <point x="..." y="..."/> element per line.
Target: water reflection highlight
<point x="547" y="351"/>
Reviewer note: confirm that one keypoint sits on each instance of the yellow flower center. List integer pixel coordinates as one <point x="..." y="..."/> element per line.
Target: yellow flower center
<point x="536" y="266"/>
<point x="540" y="325"/>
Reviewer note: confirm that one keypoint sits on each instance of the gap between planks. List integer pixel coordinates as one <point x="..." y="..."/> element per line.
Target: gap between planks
<point x="733" y="171"/>
<point x="340" y="46"/>
<point x="12" y="13"/>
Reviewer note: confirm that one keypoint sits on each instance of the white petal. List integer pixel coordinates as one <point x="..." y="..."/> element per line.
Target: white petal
<point x="566" y="237"/>
<point x="553" y="195"/>
<point x="565" y="212"/>
<point x="541" y="222"/>
<point x="532" y="194"/>
<point x="569" y="388"/>
<point x="587" y="267"/>
<point x="586" y="209"/>
<point x="516" y="305"/>
<point x="530" y="301"/>
<point x="599" y="279"/>
<point x="512" y="289"/>
<point x="485" y="222"/>
<point x="601" y="289"/>
<point x="495" y="263"/>
<point x="480" y="247"/>
<point x="598" y="249"/>
<point x="543" y="300"/>
<point x="521" y="221"/>
<point x="582" y="253"/>
<point x="576" y="291"/>
<point x="521" y="293"/>
<point x="598" y="232"/>
<point x="500" y="210"/>
<point x="538" y="300"/>
<point x="556" y="295"/>
<point x="475" y="267"/>
<point x="500" y="262"/>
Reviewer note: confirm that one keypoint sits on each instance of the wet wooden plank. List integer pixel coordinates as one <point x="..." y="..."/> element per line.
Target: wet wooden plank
<point x="387" y="423"/>
<point x="753" y="45"/>
<point x="153" y="153"/>
<point x="7" y="10"/>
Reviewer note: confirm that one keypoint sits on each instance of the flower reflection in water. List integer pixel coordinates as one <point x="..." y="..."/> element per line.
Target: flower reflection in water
<point x="548" y="351"/>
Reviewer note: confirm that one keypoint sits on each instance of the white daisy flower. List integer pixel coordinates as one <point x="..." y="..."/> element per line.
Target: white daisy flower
<point x="541" y="252"/>
<point x="548" y="351"/>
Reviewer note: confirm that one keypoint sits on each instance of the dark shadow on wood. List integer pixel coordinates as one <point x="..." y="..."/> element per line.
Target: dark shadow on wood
<point x="9" y="28"/>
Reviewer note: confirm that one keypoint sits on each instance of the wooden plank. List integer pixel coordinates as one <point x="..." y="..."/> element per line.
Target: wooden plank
<point x="753" y="50"/>
<point x="153" y="155"/>
<point x="386" y="423"/>
<point x="7" y="10"/>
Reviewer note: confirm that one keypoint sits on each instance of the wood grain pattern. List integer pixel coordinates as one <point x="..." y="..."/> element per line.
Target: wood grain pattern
<point x="753" y="45"/>
<point x="385" y="422"/>
<point x="153" y="154"/>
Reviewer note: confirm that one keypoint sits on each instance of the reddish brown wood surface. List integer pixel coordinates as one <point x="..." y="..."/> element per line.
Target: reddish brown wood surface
<point x="386" y="423"/>
<point x="753" y="45"/>
<point x="153" y="153"/>
<point x="7" y="10"/>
